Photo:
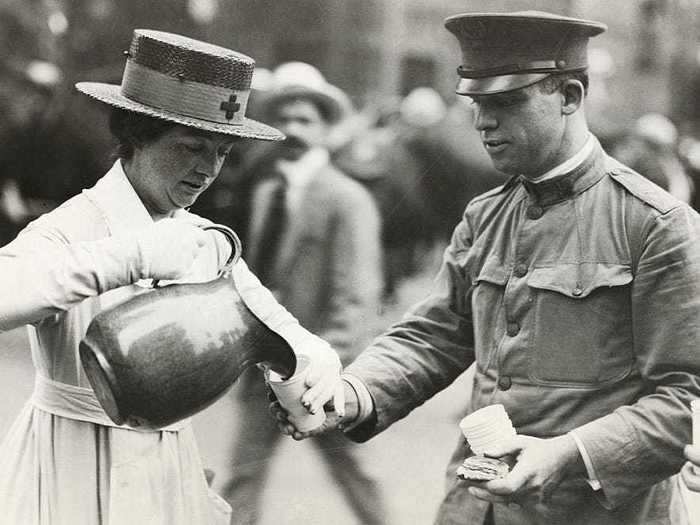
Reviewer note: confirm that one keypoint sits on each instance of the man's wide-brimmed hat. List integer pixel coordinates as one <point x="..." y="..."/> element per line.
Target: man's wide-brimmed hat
<point x="186" y="81"/>
<point x="294" y="80"/>
<point x="506" y="51"/>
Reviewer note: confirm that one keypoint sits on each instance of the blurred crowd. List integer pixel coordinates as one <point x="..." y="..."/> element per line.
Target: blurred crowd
<point x="417" y="155"/>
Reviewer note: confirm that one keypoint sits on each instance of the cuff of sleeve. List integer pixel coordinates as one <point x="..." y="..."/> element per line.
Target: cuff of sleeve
<point x="592" y="478"/>
<point x="364" y="400"/>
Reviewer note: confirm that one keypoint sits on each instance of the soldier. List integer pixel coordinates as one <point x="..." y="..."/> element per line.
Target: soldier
<point x="574" y="287"/>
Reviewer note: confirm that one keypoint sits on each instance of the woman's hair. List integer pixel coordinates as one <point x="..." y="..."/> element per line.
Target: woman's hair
<point x="133" y="130"/>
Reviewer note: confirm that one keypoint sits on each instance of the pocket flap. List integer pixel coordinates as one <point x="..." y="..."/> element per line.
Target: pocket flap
<point x="579" y="280"/>
<point x="493" y="271"/>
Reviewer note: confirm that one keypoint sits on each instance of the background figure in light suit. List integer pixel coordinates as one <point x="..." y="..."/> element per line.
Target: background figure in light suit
<point x="323" y="263"/>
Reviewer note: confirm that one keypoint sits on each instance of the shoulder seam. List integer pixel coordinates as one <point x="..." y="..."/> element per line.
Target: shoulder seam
<point x="661" y="203"/>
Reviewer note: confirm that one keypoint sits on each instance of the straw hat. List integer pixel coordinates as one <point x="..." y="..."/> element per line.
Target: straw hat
<point x="293" y="80"/>
<point x="186" y="81"/>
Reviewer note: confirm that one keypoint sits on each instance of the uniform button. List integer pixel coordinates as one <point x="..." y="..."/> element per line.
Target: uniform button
<point x="512" y="329"/>
<point x="504" y="382"/>
<point x="535" y="212"/>
<point x="520" y="270"/>
<point x="577" y="291"/>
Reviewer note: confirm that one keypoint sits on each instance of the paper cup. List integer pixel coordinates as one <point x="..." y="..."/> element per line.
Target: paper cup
<point x="486" y="428"/>
<point x="289" y="392"/>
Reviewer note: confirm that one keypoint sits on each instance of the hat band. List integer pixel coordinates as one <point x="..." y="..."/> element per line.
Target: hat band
<point x="183" y="97"/>
<point x="537" y="66"/>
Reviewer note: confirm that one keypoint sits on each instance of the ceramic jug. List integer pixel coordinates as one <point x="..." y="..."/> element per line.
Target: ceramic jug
<point x="166" y="354"/>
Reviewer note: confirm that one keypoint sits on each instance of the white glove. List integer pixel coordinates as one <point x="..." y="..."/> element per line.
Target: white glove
<point x="168" y="249"/>
<point x="323" y="379"/>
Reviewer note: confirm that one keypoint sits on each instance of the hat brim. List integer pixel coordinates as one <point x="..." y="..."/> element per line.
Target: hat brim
<point x="497" y="84"/>
<point x="111" y="94"/>
<point x="332" y="108"/>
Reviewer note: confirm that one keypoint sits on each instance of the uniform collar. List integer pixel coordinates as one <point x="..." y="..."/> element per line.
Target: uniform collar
<point x="571" y="163"/>
<point x="574" y="181"/>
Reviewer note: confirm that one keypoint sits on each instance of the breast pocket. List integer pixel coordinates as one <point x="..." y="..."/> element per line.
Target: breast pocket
<point x="581" y="335"/>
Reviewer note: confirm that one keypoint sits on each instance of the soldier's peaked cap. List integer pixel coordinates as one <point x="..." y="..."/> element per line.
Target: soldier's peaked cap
<point x="506" y="51"/>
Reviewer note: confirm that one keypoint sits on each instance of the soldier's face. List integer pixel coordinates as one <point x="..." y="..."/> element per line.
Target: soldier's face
<point x="522" y="130"/>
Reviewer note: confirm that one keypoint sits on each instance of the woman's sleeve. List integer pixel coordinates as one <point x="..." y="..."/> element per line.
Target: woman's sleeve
<point x="43" y="273"/>
<point x="263" y="304"/>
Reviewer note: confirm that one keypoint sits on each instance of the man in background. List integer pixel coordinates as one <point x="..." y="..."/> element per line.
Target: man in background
<point x="314" y="240"/>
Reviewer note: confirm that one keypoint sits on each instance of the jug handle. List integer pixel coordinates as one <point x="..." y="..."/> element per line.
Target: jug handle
<point x="234" y="241"/>
<point x="236" y="249"/>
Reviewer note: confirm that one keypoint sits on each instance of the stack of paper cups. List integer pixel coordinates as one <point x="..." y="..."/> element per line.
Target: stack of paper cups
<point x="486" y="428"/>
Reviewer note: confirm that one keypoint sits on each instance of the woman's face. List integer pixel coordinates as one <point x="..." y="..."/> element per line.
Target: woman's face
<point x="171" y="171"/>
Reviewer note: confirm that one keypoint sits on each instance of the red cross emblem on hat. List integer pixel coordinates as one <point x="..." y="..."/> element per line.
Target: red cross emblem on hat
<point x="230" y="106"/>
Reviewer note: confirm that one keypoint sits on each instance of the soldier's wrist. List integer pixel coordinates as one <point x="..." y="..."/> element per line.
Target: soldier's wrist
<point x="358" y="402"/>
<point x="352" y="404"/>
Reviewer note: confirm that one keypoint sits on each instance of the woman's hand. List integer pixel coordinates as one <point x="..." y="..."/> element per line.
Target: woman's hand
<point x="323" y="380"/>
<point x="168" y="249"/>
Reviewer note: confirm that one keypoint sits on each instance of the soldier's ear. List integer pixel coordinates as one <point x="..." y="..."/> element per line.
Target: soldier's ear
<point x="573" y="93"/>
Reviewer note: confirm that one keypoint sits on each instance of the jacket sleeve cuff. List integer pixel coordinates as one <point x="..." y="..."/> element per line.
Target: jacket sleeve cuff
<point x="364" y="401"/>
<point x="614" y="453"/>
<point x="590" y="471"/>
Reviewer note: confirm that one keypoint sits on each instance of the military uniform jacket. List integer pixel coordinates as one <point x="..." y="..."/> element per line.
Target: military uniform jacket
<point x="579" y="300"/>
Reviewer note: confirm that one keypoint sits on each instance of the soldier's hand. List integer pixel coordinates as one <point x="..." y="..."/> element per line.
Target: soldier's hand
<point x="691" y="470"/>
<point x="335" y="419"/>
<point x="541" y="465"/>
<point x="287" y="427"/>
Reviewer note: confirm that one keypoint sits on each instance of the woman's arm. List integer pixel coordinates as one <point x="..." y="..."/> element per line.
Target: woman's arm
<point x="43" y="272"/>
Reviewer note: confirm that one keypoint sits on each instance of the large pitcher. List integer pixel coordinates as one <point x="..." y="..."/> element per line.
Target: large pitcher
<point x="166" y="354"/>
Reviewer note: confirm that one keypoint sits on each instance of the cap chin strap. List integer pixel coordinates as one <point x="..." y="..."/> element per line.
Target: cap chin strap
<point x="537" y="66"/>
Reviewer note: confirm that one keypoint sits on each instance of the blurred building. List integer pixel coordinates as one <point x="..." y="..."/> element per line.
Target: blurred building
<point x="373" y="48"/>
<point x="648" y="61"/>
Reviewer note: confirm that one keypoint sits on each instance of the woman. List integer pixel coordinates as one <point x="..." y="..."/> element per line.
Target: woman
<point x="179" y="110"/>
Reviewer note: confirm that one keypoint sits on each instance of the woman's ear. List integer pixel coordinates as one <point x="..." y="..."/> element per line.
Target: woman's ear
<point x="573" y="93"/>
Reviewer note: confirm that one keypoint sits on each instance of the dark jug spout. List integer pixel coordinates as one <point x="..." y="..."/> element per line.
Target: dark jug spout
<point x="165" y="355"/>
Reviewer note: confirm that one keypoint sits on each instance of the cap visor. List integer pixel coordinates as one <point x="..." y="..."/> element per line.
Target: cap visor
<point x="497" y="84"/>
